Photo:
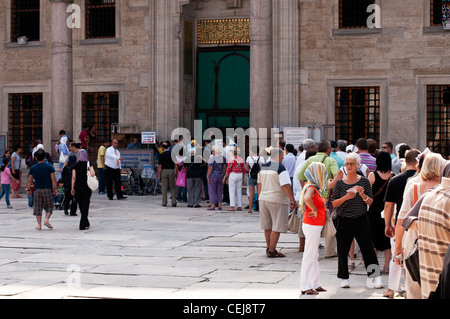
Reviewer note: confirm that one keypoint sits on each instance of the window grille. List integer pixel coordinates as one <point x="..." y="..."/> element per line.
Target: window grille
<point x="25" y="19"/>
<point x="438" y="8"/>
<point x="357" y="113"/>
<point x="25" y="119"/>
<point x="438" y="119"/>
<point x="101" y="109"/>
<point x="100" y="19"/>
<point x="353" y="13"/>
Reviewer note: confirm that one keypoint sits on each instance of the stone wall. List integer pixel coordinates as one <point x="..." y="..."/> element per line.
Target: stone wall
<point x="401" y="57"/>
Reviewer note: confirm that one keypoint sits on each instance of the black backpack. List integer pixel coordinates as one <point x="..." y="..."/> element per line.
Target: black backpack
<point x="255" y="169"/>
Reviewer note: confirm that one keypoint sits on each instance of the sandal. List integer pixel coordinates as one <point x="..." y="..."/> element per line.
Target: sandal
<point x="48" y="225"/>
<point x="310" y="292"/>
<point x="273" y="254"/>
<point x="320" y="289"/>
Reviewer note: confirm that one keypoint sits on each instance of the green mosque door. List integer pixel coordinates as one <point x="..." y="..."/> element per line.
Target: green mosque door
<point x="223" y="89"/>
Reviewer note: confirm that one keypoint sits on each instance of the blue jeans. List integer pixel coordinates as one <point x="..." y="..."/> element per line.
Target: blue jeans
<point x="5" y="191"/>
<point x="182" y="194"/>
<point x="101" y="180"/>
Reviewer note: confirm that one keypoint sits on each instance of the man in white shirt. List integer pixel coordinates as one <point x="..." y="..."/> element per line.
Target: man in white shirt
<point x="112" y="170"/>
<point x="290" y="160"/>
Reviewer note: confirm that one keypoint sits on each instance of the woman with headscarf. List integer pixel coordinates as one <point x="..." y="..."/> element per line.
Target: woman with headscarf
<point x="80" y="188"/>
<point x="66" y="175"/>
<point x="312" y="207"/>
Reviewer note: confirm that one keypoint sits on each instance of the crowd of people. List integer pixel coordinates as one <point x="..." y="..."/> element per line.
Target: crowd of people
<point x="375" y="200"/>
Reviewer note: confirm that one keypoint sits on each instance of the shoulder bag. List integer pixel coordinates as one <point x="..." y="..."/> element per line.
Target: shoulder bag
<point x="294" y="221"/>
<point x="92" y="181"/>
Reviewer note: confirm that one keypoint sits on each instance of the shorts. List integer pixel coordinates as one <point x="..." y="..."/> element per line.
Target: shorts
<point x="274" y="216"/>
<point x="252" y="181"/>
<point x="43" y="200"/>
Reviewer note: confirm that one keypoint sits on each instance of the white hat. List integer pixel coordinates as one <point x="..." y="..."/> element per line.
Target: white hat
<point x="351" y="149"/>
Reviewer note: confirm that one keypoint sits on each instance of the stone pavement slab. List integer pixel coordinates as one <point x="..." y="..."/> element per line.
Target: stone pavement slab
<point x="139" y="250"/>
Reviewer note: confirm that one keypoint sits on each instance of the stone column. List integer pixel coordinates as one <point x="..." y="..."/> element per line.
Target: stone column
<point x="61" y="70"/>
<point x="261" y="65"/>
<point x="286" y="57"/>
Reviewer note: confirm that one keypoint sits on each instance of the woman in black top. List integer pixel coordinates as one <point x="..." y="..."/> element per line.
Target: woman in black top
<point x="379" y="180"/>
<point x="351" y="196"/>
<point x="80" y="188"/>
<point x="194" y="178"/>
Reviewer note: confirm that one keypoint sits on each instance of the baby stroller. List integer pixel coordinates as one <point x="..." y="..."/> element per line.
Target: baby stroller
<point x="151" y="184"/>
<point x="130" y="184"/>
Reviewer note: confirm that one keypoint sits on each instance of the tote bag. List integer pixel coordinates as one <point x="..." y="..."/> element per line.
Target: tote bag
<point x="181" y="178"/>
<point x="92" y="181"/>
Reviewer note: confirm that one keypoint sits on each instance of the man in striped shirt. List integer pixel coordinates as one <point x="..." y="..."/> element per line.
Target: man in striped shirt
<point x="366" y="158"/>
<point x="434" y="233"/>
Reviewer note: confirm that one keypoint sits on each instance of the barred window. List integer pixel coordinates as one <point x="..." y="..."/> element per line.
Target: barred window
<point x="25" y="19"/>
<point x="438" y="119"/>
<point x="25" y="119"/>
<point x="353" y="13"/>
<point x="101" y="109"/>
<point x="100" y="19"/>
<point x="439" y="9"/>
<point x="357" y="113"/>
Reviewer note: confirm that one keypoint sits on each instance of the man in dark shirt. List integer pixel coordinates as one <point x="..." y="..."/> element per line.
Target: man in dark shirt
<point x="44" y="182"/>
<point x="395" y="189"/>
<point x="167" y="176"/>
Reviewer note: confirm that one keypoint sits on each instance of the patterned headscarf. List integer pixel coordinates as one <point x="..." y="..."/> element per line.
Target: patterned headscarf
<point x="316" y="174"/>
<point x="83" y="156"/>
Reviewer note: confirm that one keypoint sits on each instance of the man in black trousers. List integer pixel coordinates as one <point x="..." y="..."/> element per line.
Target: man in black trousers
<point x="112" y="171"/>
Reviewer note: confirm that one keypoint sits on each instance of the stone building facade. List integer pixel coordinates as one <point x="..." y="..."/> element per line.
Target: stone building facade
<point x="310" y="63"/>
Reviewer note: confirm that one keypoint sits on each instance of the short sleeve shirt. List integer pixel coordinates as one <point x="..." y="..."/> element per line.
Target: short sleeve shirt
<point x="355" y="207"/>
<point x="396" y="187"/>
<point x="101" y="152"/>
<point x="272" y="177"/>
<point x="41" y="173"/>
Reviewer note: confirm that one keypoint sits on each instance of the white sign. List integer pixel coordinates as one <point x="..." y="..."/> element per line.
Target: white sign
<point x="295" y="135"/>
<point x="148" y="138"/>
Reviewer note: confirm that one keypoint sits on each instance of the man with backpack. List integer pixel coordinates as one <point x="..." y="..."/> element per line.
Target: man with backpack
<point x="253" y="166"/>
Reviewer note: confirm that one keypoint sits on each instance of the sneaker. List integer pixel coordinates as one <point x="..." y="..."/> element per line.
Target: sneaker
<point x="345" y="283"/>
<point x="9" y="207"/>
<point x="378" y="282"/>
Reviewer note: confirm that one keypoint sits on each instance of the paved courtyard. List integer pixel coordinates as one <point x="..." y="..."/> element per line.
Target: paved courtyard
<point x="137" y="249"/>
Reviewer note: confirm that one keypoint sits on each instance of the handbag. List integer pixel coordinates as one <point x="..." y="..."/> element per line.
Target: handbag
<point x="92" y="181"/>
<point x="294" y="221"/>
<point x="328" y="229"/>
<point x="412" y="262"/>
<point x="181" y="178"/>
